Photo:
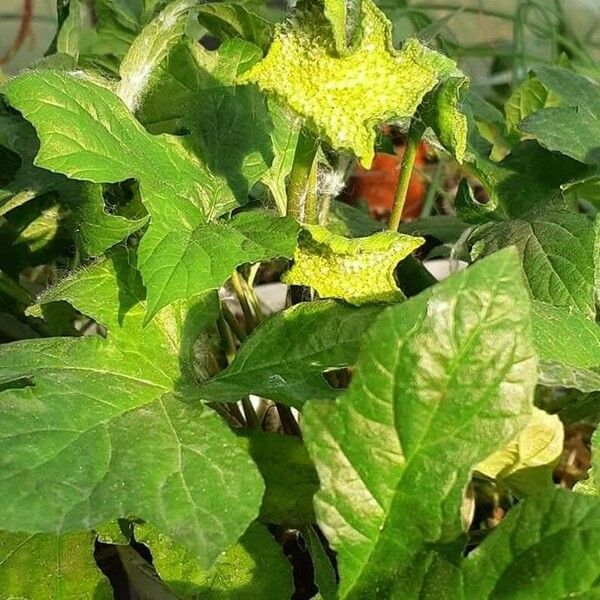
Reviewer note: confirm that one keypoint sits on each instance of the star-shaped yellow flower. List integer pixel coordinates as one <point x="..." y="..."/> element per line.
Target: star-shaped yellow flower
<point x="359" y="270"/>
<point x="344" y="97"/>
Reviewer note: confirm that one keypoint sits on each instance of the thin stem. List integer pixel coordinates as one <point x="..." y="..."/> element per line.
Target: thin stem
<point x="253" y="299"/>
<point x="406" y="167"/>
<point x="233" y="323"/>
<point x="240" y="292"/>
<point x="227" y="341"/>
<point x="250" y="413"/>
<point x="306" y="151"/>
<point x="432" y="190"/>
<point x="311" y="209"/>
<point x="227" y="414"/>
<point x="288" y="422"/>
<point x="324" y="209"/>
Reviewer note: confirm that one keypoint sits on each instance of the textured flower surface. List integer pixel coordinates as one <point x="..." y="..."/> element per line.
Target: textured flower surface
<point x="359" y="270"/>
<point x="344" y="97"/>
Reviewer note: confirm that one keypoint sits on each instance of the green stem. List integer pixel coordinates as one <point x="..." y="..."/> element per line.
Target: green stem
<point x="311" y="208"/>
<point x="233" y="323"/>
<point x="288" y="422"/>
<point x="304" y="158"/>
<point x="254" y="301"/>
<point x="432" y="190"/>
<point x="250" y="414"/>
<point x="227" y="341"/>
<point x="406" y="167"/>
<point x="240" y="292"/>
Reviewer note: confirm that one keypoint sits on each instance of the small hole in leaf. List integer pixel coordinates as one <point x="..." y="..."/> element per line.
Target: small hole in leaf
<point x="16" y="384"/>
<point x="123" y="199"/>
<point x="338" y="379"/>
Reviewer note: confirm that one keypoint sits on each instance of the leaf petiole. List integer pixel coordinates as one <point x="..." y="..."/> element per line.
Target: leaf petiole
<point x="415" y="133"/>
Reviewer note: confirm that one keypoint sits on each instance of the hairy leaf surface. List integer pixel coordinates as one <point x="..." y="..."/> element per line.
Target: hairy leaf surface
<point x="358" y="270"/>
<point x="108" y="428"/>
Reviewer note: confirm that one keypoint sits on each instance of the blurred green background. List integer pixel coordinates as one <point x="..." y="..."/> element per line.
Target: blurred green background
<point x="495" y="41"/>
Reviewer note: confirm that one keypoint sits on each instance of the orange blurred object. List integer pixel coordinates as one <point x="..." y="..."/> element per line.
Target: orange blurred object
<point x="377" y="185"/>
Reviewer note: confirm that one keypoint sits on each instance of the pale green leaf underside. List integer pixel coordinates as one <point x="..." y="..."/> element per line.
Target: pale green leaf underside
<point x="111" y="428"/>
<point x="50" y="567"/>
<point x="357" y="270"/>
<point x="285" y="358"/>
<point x="443" y="113"/>
<point x="449" y="373"/>
<point x="336" y="93"/>
<point x="139" y="66"/>
<point x="526" y="463"/>
<point x="254" y="567"/>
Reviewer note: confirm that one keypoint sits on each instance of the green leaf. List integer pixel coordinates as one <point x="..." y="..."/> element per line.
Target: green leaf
<point x="229" y="20"/>
<point x="284" y="359"/>
<point x="358" y="270"/>
<point x="556" y="247"/>
<point x="50" y="567"/>
<point x="289" y="475"/>
<point x="205" y="259"/>
<point x="345" y="18"/>
<point x="140" y="65"/>
<point x="351" y="221"/>
<point x="325" y="576"/>
<point x="529" y="97"/>
<point x="568" y="345"/>
<point x="526" y="463"/>
<point x="284" y="138"/>
<point x="442" y="111"/>
<point x="335" y="94"/>
<point x="448" y="373"/>
<point x="529" y="176"/>
<point x="103" y="37"/>
<point x="571" y="129"/>
<point x="108" y="428"/>
<point x="230" y="126"/>
<point x="443" y="228"/>
<point x="591" y="485"/>
<point x="93" y="228"/>
<point x="544" y="549"/>
<point x="87" y="133"/>
<point x="254" y="567"/>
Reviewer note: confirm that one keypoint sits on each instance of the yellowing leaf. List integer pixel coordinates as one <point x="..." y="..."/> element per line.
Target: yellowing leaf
<point x="344" y="97"/>
<point x="525" y="464"/>
<point x="358" y="270"/>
